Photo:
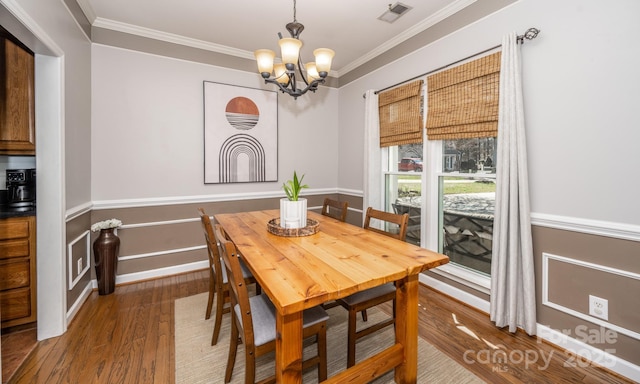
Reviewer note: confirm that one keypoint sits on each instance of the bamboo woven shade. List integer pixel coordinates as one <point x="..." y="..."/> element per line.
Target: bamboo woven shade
<point x="463" y="101"/>
<point x="400" y="115"/>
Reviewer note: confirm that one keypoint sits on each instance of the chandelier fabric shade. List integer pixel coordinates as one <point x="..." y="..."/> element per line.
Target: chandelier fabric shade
<point x="290" y="49"/>
<point x="265" y="58"/>
<point x="324" y="57"/>
<point x="284" y="74"/>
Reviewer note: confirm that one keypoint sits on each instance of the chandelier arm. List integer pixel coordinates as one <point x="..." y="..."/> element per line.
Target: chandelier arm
<point x="313" y="86"/>
<point x="292" y="80"/>
<point x="304" y="78"/>
<point x="283" y="88"/>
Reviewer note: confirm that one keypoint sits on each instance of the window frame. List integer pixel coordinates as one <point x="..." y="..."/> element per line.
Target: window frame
<point x="430" y="203"/>
<point x="431" y="234"/>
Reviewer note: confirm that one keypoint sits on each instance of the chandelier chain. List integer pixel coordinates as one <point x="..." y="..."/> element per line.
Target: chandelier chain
<point x="294" y="12"/>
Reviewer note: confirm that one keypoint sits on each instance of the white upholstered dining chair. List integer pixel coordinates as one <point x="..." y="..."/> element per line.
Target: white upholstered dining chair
<point x="254" y="321"/>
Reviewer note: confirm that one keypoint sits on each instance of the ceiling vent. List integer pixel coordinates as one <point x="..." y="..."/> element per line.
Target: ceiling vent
<point x="394" y="12"/>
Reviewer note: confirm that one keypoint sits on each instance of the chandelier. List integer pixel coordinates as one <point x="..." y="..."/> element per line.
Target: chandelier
<point x="285" y="72"/>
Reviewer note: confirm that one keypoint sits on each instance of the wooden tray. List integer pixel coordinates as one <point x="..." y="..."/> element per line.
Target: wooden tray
<point x="273" y="226"/>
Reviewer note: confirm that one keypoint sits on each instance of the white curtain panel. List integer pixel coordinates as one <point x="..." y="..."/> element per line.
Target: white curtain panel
<point x="372" y="154"/>
<point x="513" y="297"/>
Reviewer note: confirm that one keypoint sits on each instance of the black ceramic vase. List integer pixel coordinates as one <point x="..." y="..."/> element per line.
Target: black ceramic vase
<point x="105" y="253"/>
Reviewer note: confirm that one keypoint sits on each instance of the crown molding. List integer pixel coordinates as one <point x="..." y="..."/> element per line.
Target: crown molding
<point x="113" y="25"/>
<point x="169" y="37"/>
<point x="87" y="9"/>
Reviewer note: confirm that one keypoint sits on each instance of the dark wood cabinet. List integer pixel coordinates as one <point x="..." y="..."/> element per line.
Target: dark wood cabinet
<point x="17" y="271"/>
<point x="17" y="111"/>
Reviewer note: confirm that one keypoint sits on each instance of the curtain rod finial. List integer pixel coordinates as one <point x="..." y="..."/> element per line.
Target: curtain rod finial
<point x="530" y="34"/>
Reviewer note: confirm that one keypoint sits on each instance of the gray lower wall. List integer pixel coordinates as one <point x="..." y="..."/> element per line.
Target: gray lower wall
<point x="164" y="236"/>
<point x="589" y="265"/>
<point x="161" y="239"/>
<point x="78" y="246"/>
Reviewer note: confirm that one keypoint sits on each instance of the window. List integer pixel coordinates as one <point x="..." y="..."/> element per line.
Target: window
<point x="462" y="125"/>
<point x="403" y="186"/>
<point x="447" y="184"/>
<point x="466" y="202"/>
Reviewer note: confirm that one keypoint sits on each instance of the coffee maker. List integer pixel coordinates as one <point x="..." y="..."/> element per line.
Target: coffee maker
<point x="21" y="188"/>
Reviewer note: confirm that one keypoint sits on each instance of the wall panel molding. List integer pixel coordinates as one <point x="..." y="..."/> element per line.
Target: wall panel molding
<point x="87" y="261"/>
<point x="546" y="257"/>
<point x="161" y="253"/>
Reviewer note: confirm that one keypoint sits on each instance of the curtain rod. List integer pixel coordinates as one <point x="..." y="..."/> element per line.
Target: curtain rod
<point x="530" y="34"/>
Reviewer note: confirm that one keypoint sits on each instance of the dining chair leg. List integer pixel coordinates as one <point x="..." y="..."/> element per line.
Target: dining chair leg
<point x="233" y="349"/>
<point x="322" y="353"/>
<point x="351" y="338"/>
<point x="212" y="292"/>
<point x="364" y="315"/>
<point x="218" y="321"/>
<point x="319" y="332"/>
<point x="249" y="367"/>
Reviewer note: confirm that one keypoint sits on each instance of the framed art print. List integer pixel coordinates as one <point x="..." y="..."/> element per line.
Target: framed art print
<point x="240" y="134"/>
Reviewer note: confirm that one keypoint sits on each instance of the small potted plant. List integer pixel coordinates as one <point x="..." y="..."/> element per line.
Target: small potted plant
<point x="293" y="208"/>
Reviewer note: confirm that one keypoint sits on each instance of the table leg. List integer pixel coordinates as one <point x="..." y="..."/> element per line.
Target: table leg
<point x="289" y="348"/>
<point x="407" y="328"/>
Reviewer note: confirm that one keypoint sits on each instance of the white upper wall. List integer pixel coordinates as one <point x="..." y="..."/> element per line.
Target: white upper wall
<point x="580" y="79"/>
<point x="148" y="129"/>
<point x="52" y="31"/>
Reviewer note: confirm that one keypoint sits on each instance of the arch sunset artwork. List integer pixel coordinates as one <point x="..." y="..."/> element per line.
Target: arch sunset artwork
<point x="242" y="113"/>
<point x="241" y="134"/>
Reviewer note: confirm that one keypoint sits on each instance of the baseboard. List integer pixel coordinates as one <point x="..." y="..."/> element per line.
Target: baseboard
<point x="156" y="273"/>
<point x="456" y="293"/>
<point x="73" y="311"/>
<point x="559" y="339"/>
<point x="160" y="272"/>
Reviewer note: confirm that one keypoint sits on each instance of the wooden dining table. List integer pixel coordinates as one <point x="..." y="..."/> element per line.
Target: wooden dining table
<point x="300" y="272"/>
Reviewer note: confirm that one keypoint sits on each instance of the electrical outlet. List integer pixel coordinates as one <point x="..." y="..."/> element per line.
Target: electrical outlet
<point x="599" y="307"/>
<point x="79" y="266"/>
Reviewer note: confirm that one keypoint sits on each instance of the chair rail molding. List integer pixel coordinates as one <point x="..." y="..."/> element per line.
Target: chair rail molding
<point x="174" y="200"/>
<point x="589" y="226"/>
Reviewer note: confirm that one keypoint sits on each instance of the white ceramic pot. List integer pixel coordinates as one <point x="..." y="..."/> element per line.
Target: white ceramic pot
<point x="293" y="214"/>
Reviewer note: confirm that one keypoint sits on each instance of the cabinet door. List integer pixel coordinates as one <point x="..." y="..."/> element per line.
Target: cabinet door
<point x="18" y="271"/>
<point x="17" y="112"/>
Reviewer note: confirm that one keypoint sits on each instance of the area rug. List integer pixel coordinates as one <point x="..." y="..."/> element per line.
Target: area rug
<point x="199" y="362"/>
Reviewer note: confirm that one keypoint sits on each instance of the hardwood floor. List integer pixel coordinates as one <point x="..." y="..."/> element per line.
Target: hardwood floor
<point x="469" y="337"/>
<point x="16" y="346"/>
<point x="128" y="337"/>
